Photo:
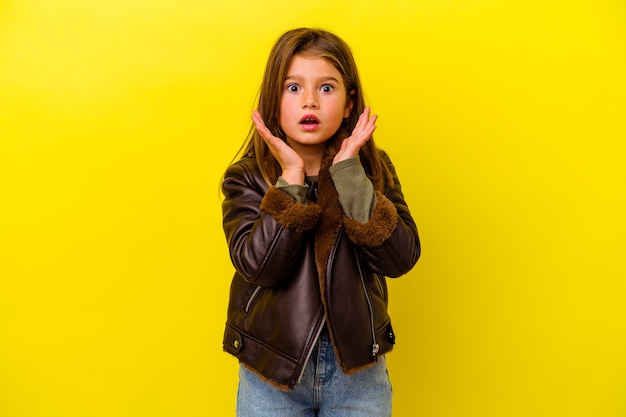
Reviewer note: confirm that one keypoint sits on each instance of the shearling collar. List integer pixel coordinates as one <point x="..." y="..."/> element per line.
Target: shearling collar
<point x="331" y="217"/>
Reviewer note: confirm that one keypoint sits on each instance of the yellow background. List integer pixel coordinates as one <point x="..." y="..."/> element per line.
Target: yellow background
<point x="506" y="120"/>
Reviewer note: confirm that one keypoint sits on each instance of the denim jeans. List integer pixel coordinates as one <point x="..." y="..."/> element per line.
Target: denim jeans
<point x="324" y="391"/>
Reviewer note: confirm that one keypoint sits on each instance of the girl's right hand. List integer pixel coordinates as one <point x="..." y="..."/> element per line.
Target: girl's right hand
<point x="291" y="163"/>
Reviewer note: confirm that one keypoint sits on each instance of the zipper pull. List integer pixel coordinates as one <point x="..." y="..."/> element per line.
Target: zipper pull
<point x="375" y="349"/>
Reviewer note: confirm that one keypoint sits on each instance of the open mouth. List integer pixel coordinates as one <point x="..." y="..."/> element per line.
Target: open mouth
<point x="309" y="120"/>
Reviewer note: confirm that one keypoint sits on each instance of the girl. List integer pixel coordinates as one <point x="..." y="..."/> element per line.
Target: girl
<point x="315" y="219"/>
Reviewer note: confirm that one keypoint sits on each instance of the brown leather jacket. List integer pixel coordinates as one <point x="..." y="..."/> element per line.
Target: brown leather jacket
<point x="300" y="266"/>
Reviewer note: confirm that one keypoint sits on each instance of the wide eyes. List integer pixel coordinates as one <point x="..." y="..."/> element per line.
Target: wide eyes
<point x="294" y="88"/>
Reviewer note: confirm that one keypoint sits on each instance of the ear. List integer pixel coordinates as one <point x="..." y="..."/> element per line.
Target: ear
<point x="349" y="105"/>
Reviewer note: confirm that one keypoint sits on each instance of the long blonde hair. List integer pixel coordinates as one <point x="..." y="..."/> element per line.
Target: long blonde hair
<point x="313" y="43"/>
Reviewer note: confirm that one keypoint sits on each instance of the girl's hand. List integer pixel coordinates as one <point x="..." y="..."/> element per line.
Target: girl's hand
<point x="291" y="163"/>
<point x="362" y="132"/>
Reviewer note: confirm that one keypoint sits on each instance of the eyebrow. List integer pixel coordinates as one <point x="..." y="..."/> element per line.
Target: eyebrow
<point x="321" y="79"/>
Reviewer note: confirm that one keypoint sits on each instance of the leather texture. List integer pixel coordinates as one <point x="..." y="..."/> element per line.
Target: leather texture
<point x="299" y="267"/>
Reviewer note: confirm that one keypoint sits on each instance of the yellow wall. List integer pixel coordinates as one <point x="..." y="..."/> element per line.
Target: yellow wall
<point x="506" y="123"/>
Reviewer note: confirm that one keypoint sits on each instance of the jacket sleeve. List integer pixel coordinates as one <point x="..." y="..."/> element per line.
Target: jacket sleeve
<point x="389" y="241"/>
<point x="355" y="189"/>
<point x="265" y="228"/>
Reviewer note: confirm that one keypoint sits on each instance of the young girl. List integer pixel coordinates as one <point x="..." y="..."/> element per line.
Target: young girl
<point x="315" y="219"/>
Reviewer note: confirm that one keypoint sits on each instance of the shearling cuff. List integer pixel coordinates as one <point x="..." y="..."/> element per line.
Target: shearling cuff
<point x="288" y="212"/>
<point x="380" y="226"/>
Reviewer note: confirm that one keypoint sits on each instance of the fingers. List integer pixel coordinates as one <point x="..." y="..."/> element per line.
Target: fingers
<point x="260" y="126"/>
<point x="364" y="118"/>
<point x="365" y="121"/>
<point x="363" y="130"/>
<point x="365" y="126"/>
<point x="288" y="159"/>
<point x="272" y="141"/>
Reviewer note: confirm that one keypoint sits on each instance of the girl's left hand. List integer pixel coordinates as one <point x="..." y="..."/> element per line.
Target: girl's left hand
<point x="362" y="132"/>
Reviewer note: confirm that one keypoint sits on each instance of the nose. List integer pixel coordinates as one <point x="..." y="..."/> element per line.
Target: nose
<point x="309" y="100"/>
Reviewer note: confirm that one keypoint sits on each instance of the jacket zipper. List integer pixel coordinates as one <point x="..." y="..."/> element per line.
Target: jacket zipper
<point x="308" y="354"/>
<point x="375" y="346"/>
<point x="251" y="300"/>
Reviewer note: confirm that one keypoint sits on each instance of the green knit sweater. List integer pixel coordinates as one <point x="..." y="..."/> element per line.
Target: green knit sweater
<point x="356" y="192"/>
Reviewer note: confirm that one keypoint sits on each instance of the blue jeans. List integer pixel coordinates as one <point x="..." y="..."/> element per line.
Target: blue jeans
<point x="324" y="391"/>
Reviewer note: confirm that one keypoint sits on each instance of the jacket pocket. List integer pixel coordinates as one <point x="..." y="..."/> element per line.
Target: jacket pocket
<point x="382" y="285"/>
<point x="250" y="298"/>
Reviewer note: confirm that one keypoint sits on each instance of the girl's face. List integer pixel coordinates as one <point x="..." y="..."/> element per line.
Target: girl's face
<point x="313" y="104"/>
